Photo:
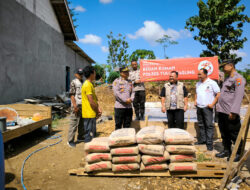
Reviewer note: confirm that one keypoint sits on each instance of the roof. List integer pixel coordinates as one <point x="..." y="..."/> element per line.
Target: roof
<point x="64" y="18"/>
<point x="67" y="26"/>
<point x="78" y="50"/>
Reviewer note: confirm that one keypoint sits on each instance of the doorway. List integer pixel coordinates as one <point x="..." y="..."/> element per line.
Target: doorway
<point x="67" y="78"/>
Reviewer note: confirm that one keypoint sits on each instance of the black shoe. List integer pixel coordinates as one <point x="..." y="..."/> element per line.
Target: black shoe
<point x="210" y="148"/>
<point x="199" y="143"/>
<point x="223" y="154"/>
<point x="80" y="140"/>
<point x="236" y="159"/>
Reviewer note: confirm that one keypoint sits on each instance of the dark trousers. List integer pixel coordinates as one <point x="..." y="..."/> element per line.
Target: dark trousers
<point x="139" y="103"/>
<point x="123" y="117"/>
<point x="205" y="123"/>
<point x="175" y="118"/>
<point x="89" y="129"/>
<point x="229" y="130"/>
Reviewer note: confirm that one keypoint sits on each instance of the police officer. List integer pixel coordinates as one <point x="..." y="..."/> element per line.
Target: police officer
<point x="76" y="121"/>
<point x="140" y="96"/>
<point x="124" y="95"/>
<point x="228" y="108"/>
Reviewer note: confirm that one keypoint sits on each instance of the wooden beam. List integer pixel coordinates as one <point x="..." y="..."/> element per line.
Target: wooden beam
<point x="226" y="177"/>
<point x="11" y="134"/>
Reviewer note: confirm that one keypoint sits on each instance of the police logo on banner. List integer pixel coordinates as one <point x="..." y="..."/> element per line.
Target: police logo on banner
<point x="206" y="65"/>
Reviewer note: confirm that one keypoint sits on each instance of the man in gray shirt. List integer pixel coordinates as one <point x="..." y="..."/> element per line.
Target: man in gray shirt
<point x="139" y="89"/>
<point x="76" y="121"/>
<point x="228" y="108"/>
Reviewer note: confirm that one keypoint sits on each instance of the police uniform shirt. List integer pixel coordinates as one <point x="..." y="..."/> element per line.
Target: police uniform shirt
<point x="123" y="90"/>
<point x="75" y="90"/>
<point x="232" y="93"/>
<point x="134" y="75"/>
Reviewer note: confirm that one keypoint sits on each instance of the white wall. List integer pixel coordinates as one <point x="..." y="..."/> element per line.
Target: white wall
<point x="42" y="9"/>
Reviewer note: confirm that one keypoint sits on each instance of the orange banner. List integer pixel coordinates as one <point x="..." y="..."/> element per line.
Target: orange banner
<point x="159" y="69"/>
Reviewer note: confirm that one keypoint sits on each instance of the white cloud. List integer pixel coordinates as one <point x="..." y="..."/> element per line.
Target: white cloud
<point x="105" y="1"/>
<point x="105" y="49"/>
<point x="91" y="39"/>
<point x="238" y="53"/>
<point x="152" y="31"/>
<point x="185" y="56"/>
<point x="79" y="8"/>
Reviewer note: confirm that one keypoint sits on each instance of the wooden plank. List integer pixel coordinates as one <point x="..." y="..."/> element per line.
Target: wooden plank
<point x="211" y="166"/>
<point x="11" y="134"/>
<point x="226" y="177"/>
<point x="27" y="110"/>
<point x="199" y="173"/>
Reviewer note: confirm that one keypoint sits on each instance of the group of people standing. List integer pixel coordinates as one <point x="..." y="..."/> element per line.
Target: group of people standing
<point x="129" y="92"/>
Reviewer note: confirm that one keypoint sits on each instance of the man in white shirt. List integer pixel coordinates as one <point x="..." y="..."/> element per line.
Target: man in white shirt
<point x="207" y="94"/>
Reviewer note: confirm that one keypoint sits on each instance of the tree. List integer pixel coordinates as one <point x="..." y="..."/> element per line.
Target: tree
<point x="220" y="25"/>
<point x="118" y="55"/>
<point x="100" y="72"/>
<point x="73" y="14"/>
<point x="112" y="76"/>
<point x="166" y="41"/>
<point x="141" y="54"/>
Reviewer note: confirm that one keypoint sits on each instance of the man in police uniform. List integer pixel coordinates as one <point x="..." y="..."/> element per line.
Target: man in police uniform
<point x="76" y="121"/>
<point x="124" y="96"/>
<point x="228" y="108"/>
<point x="140" y="96"/>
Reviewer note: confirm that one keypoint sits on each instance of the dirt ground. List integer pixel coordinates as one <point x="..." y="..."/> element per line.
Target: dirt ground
<point x="48" y="169"/>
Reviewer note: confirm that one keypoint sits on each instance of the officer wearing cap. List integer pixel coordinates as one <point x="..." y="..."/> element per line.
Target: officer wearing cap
<point x="228" y="108"/>
<point x="140" y="96"/>
<point x="124" y="96"/>
<point x="76" y="121"/>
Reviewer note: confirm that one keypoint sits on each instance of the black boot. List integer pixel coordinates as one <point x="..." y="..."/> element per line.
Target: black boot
<point x="137" y="117"/>
<point x="236" y="159"/>
<point x="223" y="154"/>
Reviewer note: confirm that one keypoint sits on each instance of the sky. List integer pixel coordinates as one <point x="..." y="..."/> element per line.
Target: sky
<point x="143" y="22"/>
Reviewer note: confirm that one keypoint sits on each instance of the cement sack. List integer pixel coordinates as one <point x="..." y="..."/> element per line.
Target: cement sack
<point x="154" y="167"/>
<point x="98" y="166"/>
<point x="182" y="166"/>
<point x="151" y="149"/>
<point x="122" y="137"/>
<point x="130" y="150"/>
<point x="150" y="135"/>
<point x="177" y="136"/>
<point x="97" y="157"/>
<point x="147" y="159"/>
<point x="125" y="167"/>
<point x="99" y="144"/>
<point x="182" y="158"/>
<point x="181" y="149"/>
<point x="126" y="159"/>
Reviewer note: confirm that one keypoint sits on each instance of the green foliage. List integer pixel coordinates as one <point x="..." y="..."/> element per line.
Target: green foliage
<point x="112" y="76"/>
<point x="202" y="158"/>
<point x="118" y="55"/>
<point x="246" y="74"/>
<point x="141" y="54"/>
<point x="73" y="14"/>
<point x="100" y="71"/>
<point x="166" y="41"/>
<point x="220" y="25"/>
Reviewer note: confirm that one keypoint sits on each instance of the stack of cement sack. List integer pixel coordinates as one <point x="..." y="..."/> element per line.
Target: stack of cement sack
<point x="98" y="155"/>
<point x="179" y="143"/>
<point x="124" y="150"/>
<point x="150" y="142"/>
